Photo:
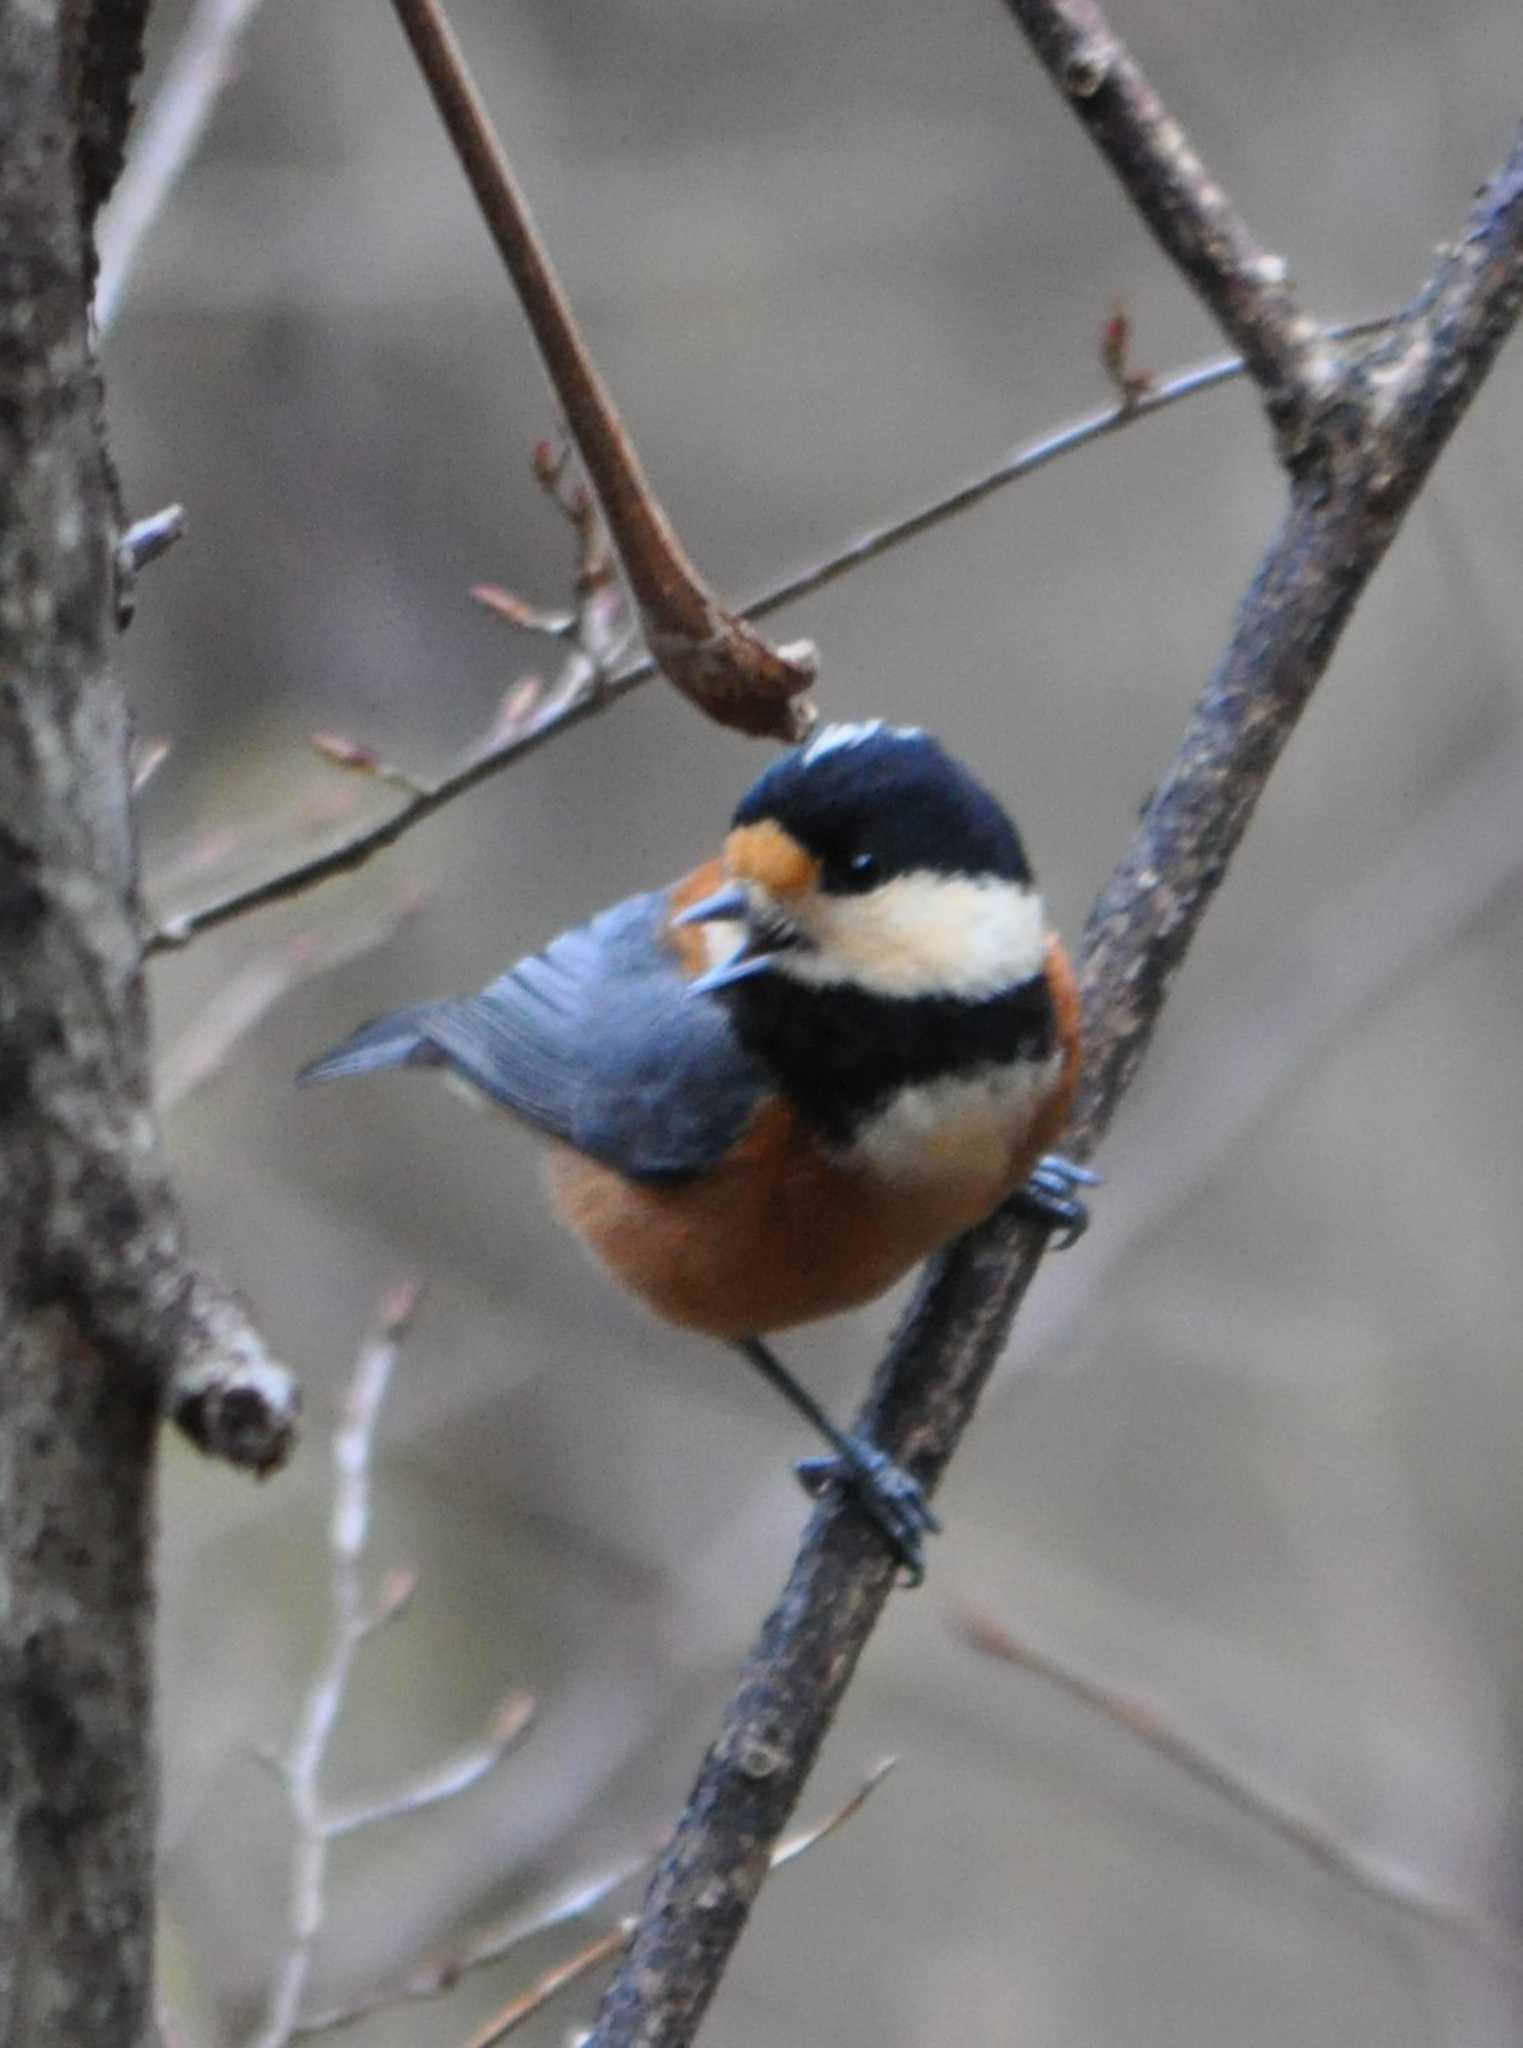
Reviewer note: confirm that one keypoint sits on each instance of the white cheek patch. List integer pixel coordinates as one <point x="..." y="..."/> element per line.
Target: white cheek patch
<point x="959" y="1128"/>
<point x="720" y="939"/>
<point x="923" y="934"/>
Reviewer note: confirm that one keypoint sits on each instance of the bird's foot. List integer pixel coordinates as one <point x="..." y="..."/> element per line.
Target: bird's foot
<point x="1049" y="1196"/>
<point x="893" y="1501"/>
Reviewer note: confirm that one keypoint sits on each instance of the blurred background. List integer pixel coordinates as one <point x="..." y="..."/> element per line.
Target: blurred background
<point x="1255" y="1453"/>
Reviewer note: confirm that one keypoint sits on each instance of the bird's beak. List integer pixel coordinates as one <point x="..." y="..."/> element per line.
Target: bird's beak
<point x="728" y="905"/>
<point x="754" y="954"/>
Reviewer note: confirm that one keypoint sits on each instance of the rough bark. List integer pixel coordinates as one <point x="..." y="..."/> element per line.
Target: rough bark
<point x="103" y="1323"/>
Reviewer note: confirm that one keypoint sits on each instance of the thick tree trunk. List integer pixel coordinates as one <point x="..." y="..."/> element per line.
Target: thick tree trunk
<point x="78" y="1423"/>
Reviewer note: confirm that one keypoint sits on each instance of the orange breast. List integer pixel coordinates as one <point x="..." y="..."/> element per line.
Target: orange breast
<point x="781" y="1234"/>
<point x="778" y="1235"/>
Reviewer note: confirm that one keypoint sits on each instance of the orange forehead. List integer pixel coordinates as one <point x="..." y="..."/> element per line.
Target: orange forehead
<point x="772" y="858"/>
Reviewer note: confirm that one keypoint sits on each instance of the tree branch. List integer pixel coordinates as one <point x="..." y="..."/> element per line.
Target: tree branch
<point x="1290" y="1819"/>
<point x="713" y="657"/>
<point x="1191" y="217"/>
<point x="1395" y="411"/>
<point x="363" y="846"/>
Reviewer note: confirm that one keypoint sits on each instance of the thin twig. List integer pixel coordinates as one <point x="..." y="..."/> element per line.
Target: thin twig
<point x="554" y="1980"/>
<point x="166" y="139"/>
<point x="1336" y="530"/>
<point x="444" y="1972"/>
<point x="203" y="1050"/>
<point x="539" y="1994"/>
<point x="301" y="1769"/>
<point x="148" y="757"/>
<point x="362" y="846"/>
<point x="711" y="655"/>
<point x="1291" y="1821"/>
<point x="1190" y="215"/>
<point x="445" y="1781"/>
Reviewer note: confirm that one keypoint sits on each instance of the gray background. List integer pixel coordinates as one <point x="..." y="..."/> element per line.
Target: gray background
<point x="1257" y="1450"/>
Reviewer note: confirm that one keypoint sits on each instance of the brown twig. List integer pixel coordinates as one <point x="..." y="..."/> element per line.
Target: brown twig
<point x="1400" y="403"/>
<point x="568" y="708"/>
<point x="1190" y="215"/>
<point x="710" y="654"/>
<point x="1291" y="1821"/>
<point x="597" y="624"/>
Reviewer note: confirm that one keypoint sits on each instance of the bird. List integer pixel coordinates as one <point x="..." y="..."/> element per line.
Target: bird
<point x="772" y="1088"/>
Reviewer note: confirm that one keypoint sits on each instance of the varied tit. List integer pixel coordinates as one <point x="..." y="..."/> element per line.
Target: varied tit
<point x="773" y="1088"/>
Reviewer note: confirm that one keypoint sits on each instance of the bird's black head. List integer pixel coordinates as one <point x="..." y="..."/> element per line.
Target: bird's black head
<point x="879" y="929"/>
<point x="872" y="802"/>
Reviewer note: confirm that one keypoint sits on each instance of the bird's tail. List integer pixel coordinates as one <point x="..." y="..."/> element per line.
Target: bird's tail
<point x="395" y="1040"/>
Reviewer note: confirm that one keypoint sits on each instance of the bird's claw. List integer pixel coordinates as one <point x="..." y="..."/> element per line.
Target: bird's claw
<point x="1049" y="1196"/>
<point x="893" y="1501"/>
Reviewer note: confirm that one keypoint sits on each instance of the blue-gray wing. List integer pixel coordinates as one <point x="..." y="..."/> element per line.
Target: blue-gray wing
<point x="596" y="1041"/>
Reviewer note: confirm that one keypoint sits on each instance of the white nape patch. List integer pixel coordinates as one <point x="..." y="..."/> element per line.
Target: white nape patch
<point x="830" y="739"/>
<point x="958" y="1129"/>
<point x="923" y="934"/>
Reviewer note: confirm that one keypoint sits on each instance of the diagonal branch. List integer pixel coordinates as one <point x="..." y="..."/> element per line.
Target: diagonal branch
<point x="712" y="656"/>
<point x="1334" y="534"/>
<point x="1291" y="1819"/>
<point x="1191" y="217"/>
<point x="363" y="846"/>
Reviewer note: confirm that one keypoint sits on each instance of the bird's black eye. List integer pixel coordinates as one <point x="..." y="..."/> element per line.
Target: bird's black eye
<point x="857" y="872"/>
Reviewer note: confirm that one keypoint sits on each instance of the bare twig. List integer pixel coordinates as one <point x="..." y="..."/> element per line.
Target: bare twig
<point x="301" y="1768"/>
<point x="445" y="1781"/>
<point x="442" y="1972"/>
<point x="339" y="751"/>
<point x="1401" y="404"/>
<point x="1290" y="1820"/>
<point x="597" y="625"/>
<point x="1190" y="215"/>
<point x="567" y="709"/>
<point x="1131" y="383"/>
<point x="445" y="1971"/>
<point x="316" y="1825"/>
<point x="148" y="757"/>
<point x="167" y="138"/>
<point x="586" y="1960"/>
<point x="203" y="1050"/>
<point x="711" y="655"/>
<point x="554" y="1980"/>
